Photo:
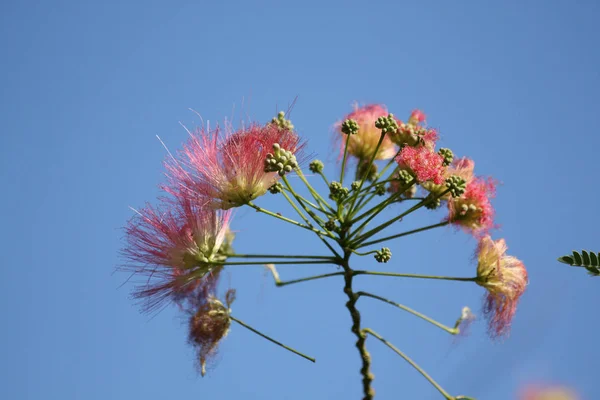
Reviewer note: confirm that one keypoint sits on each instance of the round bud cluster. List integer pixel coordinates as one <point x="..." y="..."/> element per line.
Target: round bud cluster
<point x="387" y="124"/>
<point x="457" y="185"/>
<point x="355" y="185"/>
<point x="276" y="188"/>
<point x="349" y="127"/>
<point x="447" y="154"/>
<point x="281" y="122"/>
<point x="380" y="190"/>
<point x="280" y="161"/>
<point x="384" y="255"/>
<point x="405" y="177"/>
<point x="337" y="192"/>
<point x="316" y="166"/>
<point x="330" y="225"/>
<point x="433" y="203"/>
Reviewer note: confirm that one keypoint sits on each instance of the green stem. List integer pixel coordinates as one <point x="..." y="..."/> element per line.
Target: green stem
<point x="281" y="217"/>
<point x="306" y="201"/>
<point x="313" y="192"/>
<point x="344" y="159"/>
<point x="324" y="178"/>
<point x="279" y="282"/>
<point x="362" y="179"/>
<point x="440" y="224"/>
<point x="447" y="278"/>
<point x="330" y="261"/>
<point x="452" y="331"/>
<point x="377" y="209"/>
<point x="411" y="362"/>
<point x="271" y="339"/>
<point x="364" y="254"/>
<point x="275" y="256"/>
<point x="390" y="222"/>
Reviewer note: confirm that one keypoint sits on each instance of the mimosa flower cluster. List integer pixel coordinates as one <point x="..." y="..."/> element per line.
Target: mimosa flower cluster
<point x="180" y="247"/>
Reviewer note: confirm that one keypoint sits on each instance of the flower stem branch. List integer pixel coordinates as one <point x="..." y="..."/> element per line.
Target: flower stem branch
<point x="281" y="217"/>
<point x="364" y="177"/>
<point x="381" y="227"/>
<point x="410" y="361"/>
<point x="425" y="228"/>
<point x="271" y="339"/>
<point x="452" y="331"/>
<point x="279" y="282"/>
<point x="275" y="256"/>
<point x="446" y="278"/>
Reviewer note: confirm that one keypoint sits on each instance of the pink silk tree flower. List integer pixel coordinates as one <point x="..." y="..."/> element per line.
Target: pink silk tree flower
<point x="547" y="393"/>
<point x="461" y="167"/>
<point x="175" y="248"/>
<point x="473" y="210"/>
<point x="414" y="133"/>
<point x="363" y="143"/>
<point x="422" y="163"/>
<point x="505" y="279"/>
<point x="416" y="117"/>
<point x="231" y="170"/>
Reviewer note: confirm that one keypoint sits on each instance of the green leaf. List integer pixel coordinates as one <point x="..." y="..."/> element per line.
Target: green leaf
<point x="566" y="260"/>
<point x="577" y="257"/>
<point x="593" y="259"/>
<point x="586" y="257"/>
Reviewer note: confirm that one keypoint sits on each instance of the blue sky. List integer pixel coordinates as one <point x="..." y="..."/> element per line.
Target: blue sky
<point x="86" y="86"/>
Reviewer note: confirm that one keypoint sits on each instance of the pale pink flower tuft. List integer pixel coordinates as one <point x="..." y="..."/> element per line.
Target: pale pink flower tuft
<point x="423" y="163"/>
<point x="174" y="247"/>
<point x="414" y="133"/>
<point x="540" y="392"/>
<point x="228" y="170"/>
<point x="505" y="279"/>
<point x="416" y="117"/>
<point x="363" y="143"/>
<point x="463" y="168"/>
<point x="473" y="210"/>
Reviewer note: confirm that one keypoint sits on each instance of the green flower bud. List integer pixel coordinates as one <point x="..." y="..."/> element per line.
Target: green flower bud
<point x="384" y="255"/>
<point x="316" y="166"/>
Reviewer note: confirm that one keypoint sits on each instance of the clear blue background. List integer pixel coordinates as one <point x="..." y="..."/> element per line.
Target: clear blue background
<point x="85" y="87"/>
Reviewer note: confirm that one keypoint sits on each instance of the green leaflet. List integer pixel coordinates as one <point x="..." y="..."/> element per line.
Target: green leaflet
<point x="586" y="259"/>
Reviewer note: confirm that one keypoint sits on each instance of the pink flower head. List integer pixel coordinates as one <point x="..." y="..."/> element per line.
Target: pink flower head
<point x="229" y="171"/>
<point x="414" y="133"/>
<point x="473" y="210"/>
<point x="505" y="279"/>
<point x="423" y="163"/>
<point x="416" y="117"/>
<point x="363" y="143"/>
<point x="175" y="248"/>
<point x="535" y="392"/>
<point x="463" y="168"/>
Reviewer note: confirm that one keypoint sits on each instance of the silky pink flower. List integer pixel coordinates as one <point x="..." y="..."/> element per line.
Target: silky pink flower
<point x="473" y="210"/>
<point x="228" y="170"/>
<point x="424" y="164"/>
<point x="505" y="279"/>
<point x="363" y="143"/>
<point x="537" y="392"/>
<point x="414" y="133"/>
<point x="416" y="117"/>
<point x="461" y="167"/>
<point x="175" y="247"/>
